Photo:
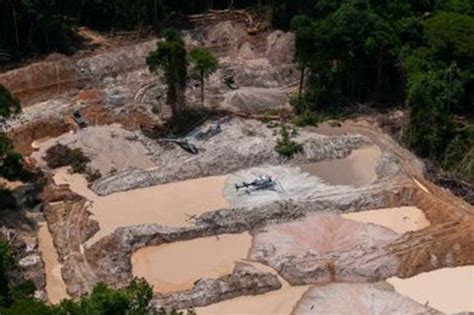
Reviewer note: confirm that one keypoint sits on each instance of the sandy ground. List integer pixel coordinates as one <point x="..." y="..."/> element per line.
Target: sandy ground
<point x="400" y="220"/>
<point x="275" y="302"/>
<point x="109" y="147"/>
<point x="279" y="302"/>
<point x="449" y="290"/>
<point x="324" y="233"/>
<point x="358" y="169"/>
<point x="10" y="184"/>
<point x="55" y="287"/>
<point x="170" y="204"/>
<point x="176" y="266"/>
<point x="357" y="299"/>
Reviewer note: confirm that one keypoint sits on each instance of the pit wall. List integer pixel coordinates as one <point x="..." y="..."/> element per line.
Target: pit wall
<point x="110" y="256"/>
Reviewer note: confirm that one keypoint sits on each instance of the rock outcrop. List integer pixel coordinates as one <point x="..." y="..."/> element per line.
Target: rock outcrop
<point x="245" y="280"/>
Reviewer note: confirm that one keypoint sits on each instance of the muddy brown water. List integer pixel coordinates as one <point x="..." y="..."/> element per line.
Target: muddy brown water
<point x="169" y="204"/>
<point x="358" y="169"/>
<point x="176" y="266"/>
<point x="279" y="302"/>
<point x="55" y="286"/>
<point x="400" y="220"/>
<point x="449" y="290"/>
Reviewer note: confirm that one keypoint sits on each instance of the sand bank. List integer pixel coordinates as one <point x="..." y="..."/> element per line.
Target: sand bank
<point x="55" y="287"/>
<point x="275" y="302"/>
<point x="449" y="290"/>
<point x="400" y="220"/>
<point x="358" y="169"/>
<point x="169" y="204"/>
<point x="176" y="266"/>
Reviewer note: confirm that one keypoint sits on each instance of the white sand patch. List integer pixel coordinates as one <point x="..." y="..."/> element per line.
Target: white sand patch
<point x="357" y="298"/>
<point x="449" y="290"/>
<point x="109" y="147"/>
<point x="358" y="169"/>
<point x="55" y="287"/>
<point x="400" y="220"/>
<point x="317" y="233"/>
<point x="170" y="204"/>
<point x="176" y="266"/>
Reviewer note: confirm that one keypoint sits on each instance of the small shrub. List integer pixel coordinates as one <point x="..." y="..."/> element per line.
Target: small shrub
<point x="60" y="155"/>
<point x="92" y="174"/>
<point x="307" y="118"/>
<point x="285" y="146"/>
<point x="7" y="200"/>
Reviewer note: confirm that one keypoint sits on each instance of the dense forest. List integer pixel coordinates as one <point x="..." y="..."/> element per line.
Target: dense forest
<point x="418" y="53"/>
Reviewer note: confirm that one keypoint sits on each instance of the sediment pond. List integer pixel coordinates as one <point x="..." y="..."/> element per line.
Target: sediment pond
<point x="449" y="290"/>
<point x="172" y="204"/>
<point x="400" y="220"/>
<point x="358" y="169"/>
<point x="55" y="287"/>
<point x="176" y="266"/>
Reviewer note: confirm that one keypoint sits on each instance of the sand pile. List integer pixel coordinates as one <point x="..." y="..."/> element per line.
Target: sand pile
<point x="225" y="36"/>
<point x="280" y="47"/>
<point x="325" y="234"/>
<point x="110" y="148"/>
<point x="355" y="298"/>
<point x="251" y="99"/>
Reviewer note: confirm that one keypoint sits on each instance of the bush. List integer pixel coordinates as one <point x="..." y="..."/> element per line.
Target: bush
<point x="307" y="118"/>
<point x="92" y="174"/>
<point x="60" y="155"/>
<point x="7" y="200"/>
<point x="285" y="146"/>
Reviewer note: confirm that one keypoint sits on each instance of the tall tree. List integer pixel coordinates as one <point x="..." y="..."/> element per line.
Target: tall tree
<point x="203" y="65"/>
<point x="9" y="104"/>
<point x="304" y="43"/>
<point x="170" y="56"/>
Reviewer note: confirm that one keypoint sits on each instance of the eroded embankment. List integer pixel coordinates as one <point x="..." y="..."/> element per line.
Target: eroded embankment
<point x="350" y="298"/>
<point x="109" y="259"/>
<point x="124" y="241"/>
<point x="241" y="144"/>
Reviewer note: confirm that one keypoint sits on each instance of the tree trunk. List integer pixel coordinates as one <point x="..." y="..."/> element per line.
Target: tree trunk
<point x="303" y="72"/>
<point x="202" y="89"/>
<point x="379" y="71"/>
<point x="15" y="25"/>
<point x="155" y="14"/>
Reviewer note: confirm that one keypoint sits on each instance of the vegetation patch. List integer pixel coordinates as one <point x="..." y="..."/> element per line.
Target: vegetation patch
<point x="285" y="146"/>
<point x="61" y="155"/>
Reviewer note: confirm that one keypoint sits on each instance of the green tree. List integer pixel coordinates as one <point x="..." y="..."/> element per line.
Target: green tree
<point x="6" y="263"/>
<point x="170" y="56"/>
<point x="9" y="104"/>
<point x="451" y="38"/>
<point x="431" y="125"/>
<point x="203" y="65"/>
<point x="304" y="44"/>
